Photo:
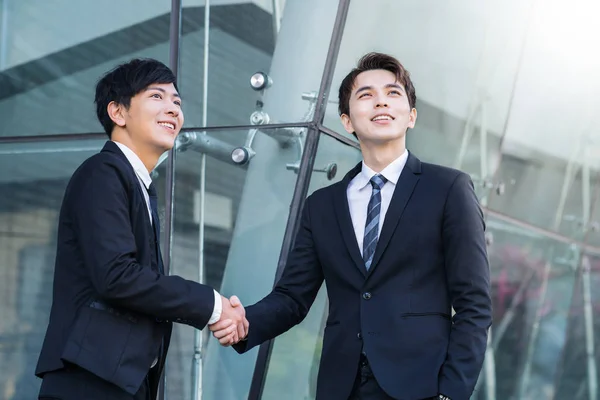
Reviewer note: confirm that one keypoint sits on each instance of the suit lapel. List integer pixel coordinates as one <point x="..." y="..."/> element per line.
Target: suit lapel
<point x="342" y="210"/>
<point x="111" y="147"/>
<point x="404" y="189"/>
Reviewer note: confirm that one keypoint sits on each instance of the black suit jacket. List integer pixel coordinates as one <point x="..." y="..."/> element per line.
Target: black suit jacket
<point x="430" y="257"/>
<point x="111" y="307"/>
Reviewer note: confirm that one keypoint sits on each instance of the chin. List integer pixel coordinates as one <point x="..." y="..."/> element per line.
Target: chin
<point x="166" y="144"/>
<point x="382" y="137"/>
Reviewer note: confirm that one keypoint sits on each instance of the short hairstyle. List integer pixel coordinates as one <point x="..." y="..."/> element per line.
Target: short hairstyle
<point x="124" y="82"/>
<point x="370" y="62"/>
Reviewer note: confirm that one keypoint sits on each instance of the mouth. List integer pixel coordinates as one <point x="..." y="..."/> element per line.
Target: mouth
<point x="168" y="125"/>
<point x="382" y="118"/>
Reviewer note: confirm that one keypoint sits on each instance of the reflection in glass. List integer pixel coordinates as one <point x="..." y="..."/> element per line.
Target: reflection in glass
<point x="532" y="286"/>
<point x="550" y="144"/>
<point x="33" y="178"/>
<point x="244" y="40"/>
<point x="578" y="376"/>
<point x="48" y="73"/>
<point x="462" y="62"/>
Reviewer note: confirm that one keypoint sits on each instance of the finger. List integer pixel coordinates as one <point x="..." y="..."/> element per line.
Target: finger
<point x="233" y="339"/>
<point x="235" y="301"/>
<point x="241" y="331"/>
<point x="227" y="340"/>
<point x="225" y="332"/>
<point x="220" y="325"/>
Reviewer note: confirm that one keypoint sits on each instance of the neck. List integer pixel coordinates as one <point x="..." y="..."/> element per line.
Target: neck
<point x="147" y="154"/>
<point x="377" y="156"/>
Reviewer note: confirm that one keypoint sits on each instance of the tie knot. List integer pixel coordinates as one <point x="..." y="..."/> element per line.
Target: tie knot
<point x="152" y="190"/>
<point x="377" y="181"/>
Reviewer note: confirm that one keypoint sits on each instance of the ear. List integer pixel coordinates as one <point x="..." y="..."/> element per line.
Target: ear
<point x="347" y="123"/>
<point x="116" y="113"/>
<point x="412" y="118"/>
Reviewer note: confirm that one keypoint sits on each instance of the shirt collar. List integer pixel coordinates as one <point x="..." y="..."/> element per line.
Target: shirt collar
<point x="391" y="172"/>
<point x="136" y="163"/>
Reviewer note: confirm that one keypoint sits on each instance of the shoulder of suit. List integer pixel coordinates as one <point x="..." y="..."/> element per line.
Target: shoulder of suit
<point x="106" y="164"/>
<point x="441" y="172"/>
<point x="326" y="191"/>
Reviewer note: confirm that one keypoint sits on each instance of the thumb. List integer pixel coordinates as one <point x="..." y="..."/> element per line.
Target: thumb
<point x="235" y="301"/>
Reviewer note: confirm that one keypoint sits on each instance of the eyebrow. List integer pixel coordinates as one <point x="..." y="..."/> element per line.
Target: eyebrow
<point x="161" y="90"/>
<point x="388" y="86"/>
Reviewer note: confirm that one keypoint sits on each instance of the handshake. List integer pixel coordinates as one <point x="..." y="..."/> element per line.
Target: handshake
<point x="233" y="326"/>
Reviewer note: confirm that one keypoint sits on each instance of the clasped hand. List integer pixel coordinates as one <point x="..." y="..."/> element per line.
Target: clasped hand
<point x="233" y="325"/>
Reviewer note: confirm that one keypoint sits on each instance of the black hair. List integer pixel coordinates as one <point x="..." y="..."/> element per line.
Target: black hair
<point x="124" y="82"/>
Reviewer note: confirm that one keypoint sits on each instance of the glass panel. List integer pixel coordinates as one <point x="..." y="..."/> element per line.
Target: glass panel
<point x="547" y="191"/>
<point x="296" y="354"/>
<point x="593" y="228"/>
<point x="246" y="209"/>
<point x="479" y="84"/>
<point x="33" y="178"/>
<point x="242" y="42"/>
<point x="550" y="146"/>
<point x="461" y="74"/>
<point x="533" y="276"/>
<point x="52" y="54"/>
<point x="578" y="376"/>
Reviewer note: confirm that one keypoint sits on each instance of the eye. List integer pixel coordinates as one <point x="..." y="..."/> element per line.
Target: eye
<point x="177" y="103"/>
<point x="156" y="95"/>
<point x="396" y="92"/>
<point x="363" y="95"/>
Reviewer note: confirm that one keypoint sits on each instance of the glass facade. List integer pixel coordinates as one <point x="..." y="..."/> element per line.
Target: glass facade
<point x="506" y="92"/>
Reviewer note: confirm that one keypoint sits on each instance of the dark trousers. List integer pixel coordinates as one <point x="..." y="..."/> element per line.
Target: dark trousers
<point x="365" y="385"/>
<point x="74" y="383"/>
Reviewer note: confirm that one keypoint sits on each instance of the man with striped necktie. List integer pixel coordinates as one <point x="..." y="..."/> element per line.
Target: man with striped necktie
<point x="399" y="243"/>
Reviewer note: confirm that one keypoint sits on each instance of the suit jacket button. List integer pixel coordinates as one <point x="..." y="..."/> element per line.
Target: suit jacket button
<point x="359" y="336"/>
<point x="366" y="296"/>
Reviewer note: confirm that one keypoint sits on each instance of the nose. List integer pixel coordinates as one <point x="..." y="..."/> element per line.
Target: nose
<point x="381" y="102"/>
<point x="173" y="110"/>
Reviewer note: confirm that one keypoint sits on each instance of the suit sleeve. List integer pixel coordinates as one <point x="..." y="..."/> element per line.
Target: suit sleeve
<point x="468" y="277"/>
<point x="99" y="209"/>
<point x="289" y="302"/>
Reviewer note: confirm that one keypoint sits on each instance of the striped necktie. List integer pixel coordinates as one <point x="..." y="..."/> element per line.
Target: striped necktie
<point x="372" y="224"/>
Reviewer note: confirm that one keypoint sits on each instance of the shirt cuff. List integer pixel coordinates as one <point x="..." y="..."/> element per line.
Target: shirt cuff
<point x="216" y="315"/>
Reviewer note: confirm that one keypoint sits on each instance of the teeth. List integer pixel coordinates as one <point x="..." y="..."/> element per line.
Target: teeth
<point x="166" y="124"/>
<point x="380" y="117"/>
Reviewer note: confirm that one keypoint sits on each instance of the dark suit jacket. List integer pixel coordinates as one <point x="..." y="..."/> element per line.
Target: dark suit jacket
<point x="106" y="254"/>
<point x="431" y="255"/>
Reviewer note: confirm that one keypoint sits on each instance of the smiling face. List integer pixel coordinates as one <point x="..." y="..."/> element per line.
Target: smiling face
<point x="153" y="119"/>
<point x="379" y="109"/>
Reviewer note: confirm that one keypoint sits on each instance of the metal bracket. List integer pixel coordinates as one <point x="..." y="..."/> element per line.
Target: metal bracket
<point x="285" y="137"/>
<point x="202" y="143"/>
<point x="330" y="169"/>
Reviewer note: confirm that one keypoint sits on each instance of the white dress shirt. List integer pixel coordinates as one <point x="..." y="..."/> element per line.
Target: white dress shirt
<point x="359" y="193"/>
<point x="145" y="181"/>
